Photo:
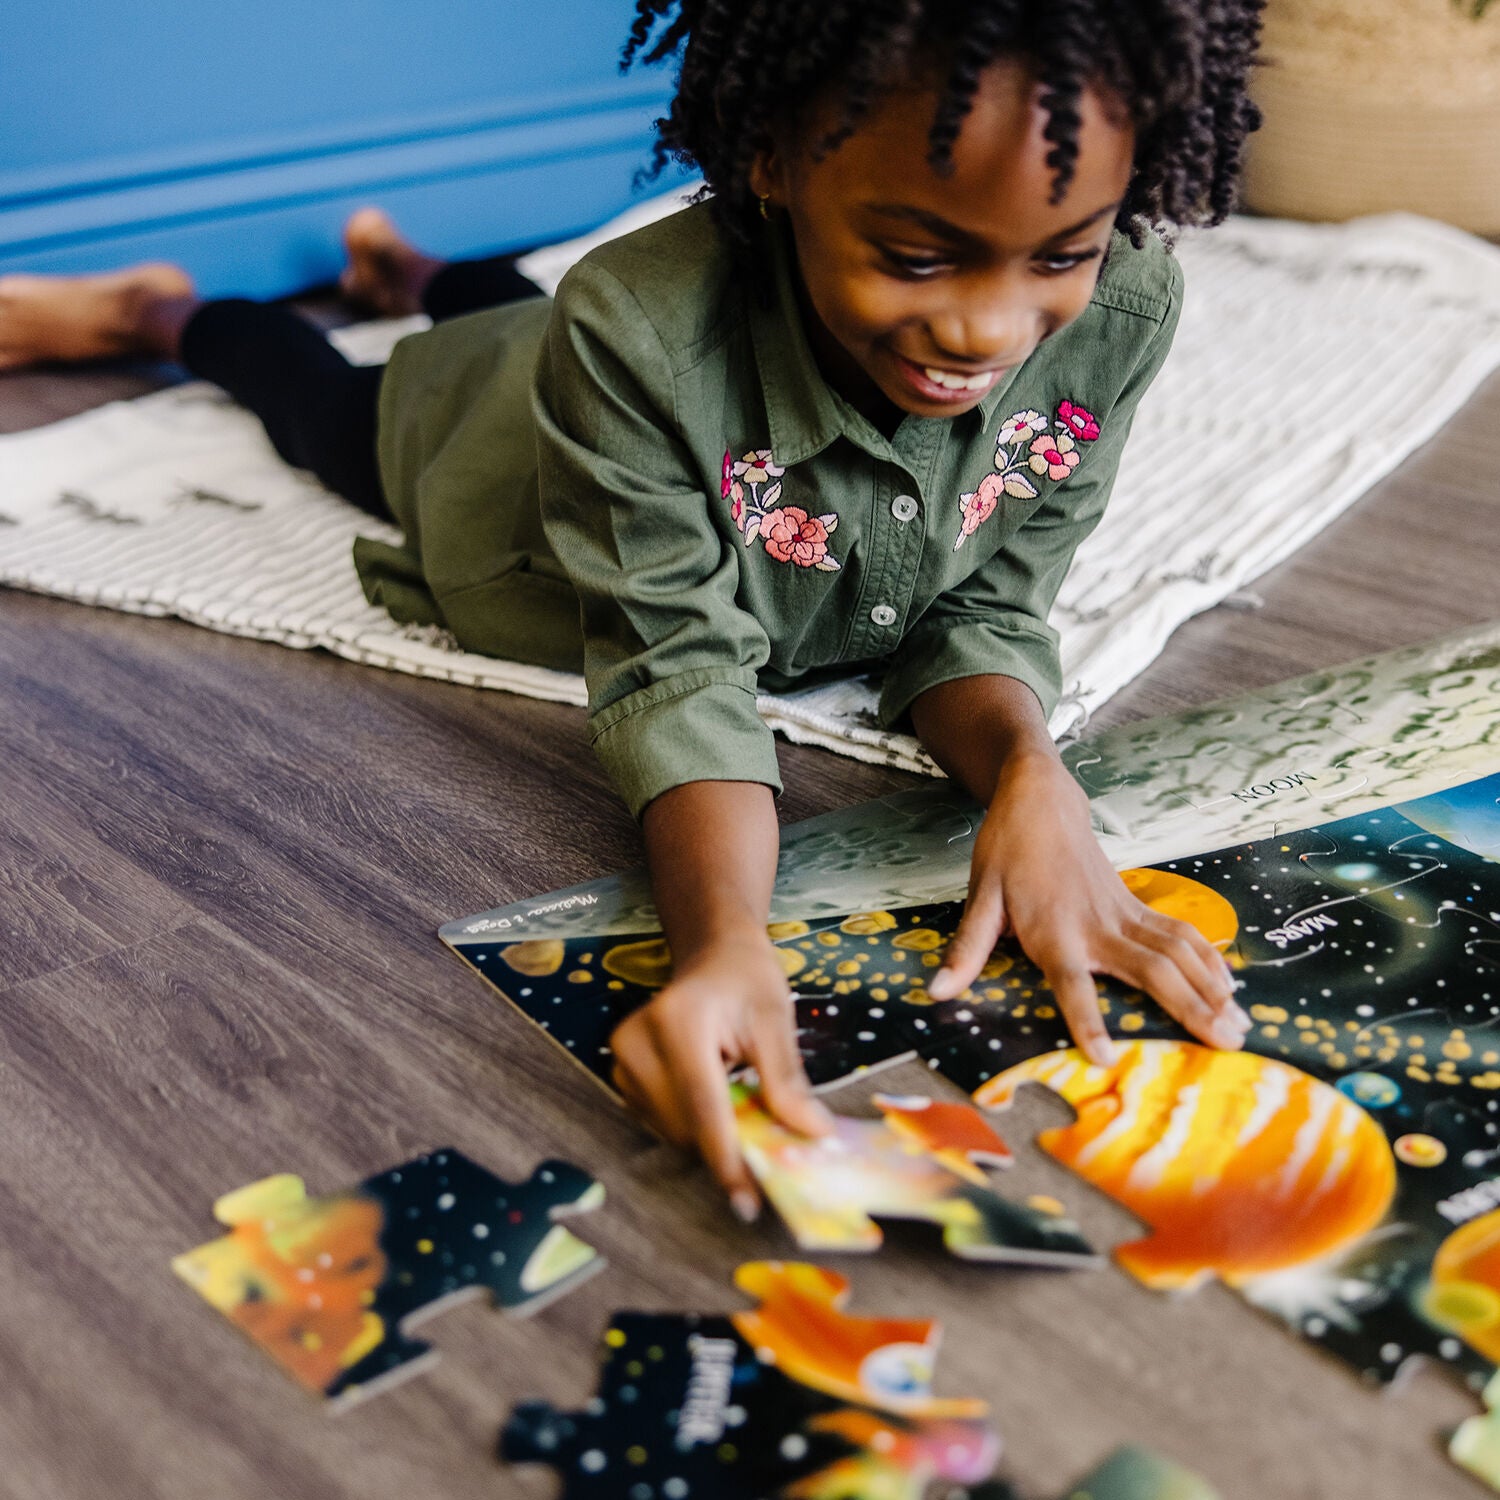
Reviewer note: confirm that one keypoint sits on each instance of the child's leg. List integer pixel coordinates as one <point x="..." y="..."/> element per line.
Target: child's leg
<point x="391" y="276"/>
<point x="465" y="286"/>
<point x="318" y="409"/>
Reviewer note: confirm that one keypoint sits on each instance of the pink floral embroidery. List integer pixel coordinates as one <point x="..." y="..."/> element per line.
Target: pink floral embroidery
<point x="757" y="466"/>
<point x="752" y="485"/>
<point x="1056" y="457"/>
<point x="1082" y="425"/>
<point x="979" y="505"/>
<point x="1020" y="428"/>
<point x="791" y="535"/>
<point x="1027" y="446"/>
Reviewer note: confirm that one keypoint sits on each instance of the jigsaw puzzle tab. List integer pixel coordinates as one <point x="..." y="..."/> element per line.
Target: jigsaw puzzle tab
<point x="793" y="1401"/>
<point x="327" y="1285"/>
<point x="922" y="1162"/>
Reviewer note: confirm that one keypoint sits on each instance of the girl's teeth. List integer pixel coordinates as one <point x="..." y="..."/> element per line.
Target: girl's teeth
<point x="951" y="382"/>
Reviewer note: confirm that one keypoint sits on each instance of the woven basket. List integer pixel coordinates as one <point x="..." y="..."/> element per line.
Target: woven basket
<point x="1372" y="105"/>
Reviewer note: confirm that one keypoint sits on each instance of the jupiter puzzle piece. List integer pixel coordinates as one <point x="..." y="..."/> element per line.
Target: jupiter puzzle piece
<point x="921" y="1161"/>
<point x="795" y="1400"/>
<point x="327" y="1286"/>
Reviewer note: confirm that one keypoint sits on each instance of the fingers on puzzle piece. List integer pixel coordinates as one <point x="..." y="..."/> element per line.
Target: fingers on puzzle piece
<point x="921" y="1162"/>
<point x="328" y="1285"/>
<point x="795" y="1399"/>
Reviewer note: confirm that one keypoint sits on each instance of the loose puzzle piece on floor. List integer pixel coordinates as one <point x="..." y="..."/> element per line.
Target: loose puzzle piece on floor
<point x="1476" y="1444"/>
<point x="327" y="1286"/>
<point x="1127" y="1474"/>
<point x="795" y="1399"/>
<point x="921" y="1161"/>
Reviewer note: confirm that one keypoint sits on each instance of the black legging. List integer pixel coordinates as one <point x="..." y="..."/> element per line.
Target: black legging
<point x="317" y="408"/>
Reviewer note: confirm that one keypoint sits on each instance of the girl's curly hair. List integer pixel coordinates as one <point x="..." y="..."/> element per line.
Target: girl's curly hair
<point x="1180" y="66"/>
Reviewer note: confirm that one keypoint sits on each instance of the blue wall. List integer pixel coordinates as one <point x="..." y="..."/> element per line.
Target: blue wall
<point x="235" y="138"/>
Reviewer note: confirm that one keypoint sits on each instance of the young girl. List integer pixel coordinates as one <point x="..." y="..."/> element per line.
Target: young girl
<point x="855" y="411"/>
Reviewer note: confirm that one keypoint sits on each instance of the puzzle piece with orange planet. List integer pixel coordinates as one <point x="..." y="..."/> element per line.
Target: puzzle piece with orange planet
<point x="329" y="1286"/>
<point x="923" y="1160"/>
<point x="793" y="1400"/>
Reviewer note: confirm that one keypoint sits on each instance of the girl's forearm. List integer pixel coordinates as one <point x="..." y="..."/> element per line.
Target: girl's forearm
<point x="977" y="727"/>
<point x="711" y="847"/>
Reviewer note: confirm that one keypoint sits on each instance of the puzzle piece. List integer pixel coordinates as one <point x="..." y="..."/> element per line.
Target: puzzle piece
<point x="919" y="1162"/>
<point x="795" y="1399"/>
<point x="1127" y="1474"/>
<point x="1212" y="779"/>
<point x="1242" y="1166"/>
<point x="1476" y="1444"/>
<point x="1138" y="1474"/>
<point x="328" y="1286"/>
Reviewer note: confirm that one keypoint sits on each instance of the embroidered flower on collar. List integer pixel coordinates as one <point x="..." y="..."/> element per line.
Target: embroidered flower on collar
<point x="1027" y="446"/>
<point x="752" y="485"/>
<point x="757" y="466"/>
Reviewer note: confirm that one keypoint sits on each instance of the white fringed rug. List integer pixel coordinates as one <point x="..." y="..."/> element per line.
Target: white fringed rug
<point x="1310" y="360"/>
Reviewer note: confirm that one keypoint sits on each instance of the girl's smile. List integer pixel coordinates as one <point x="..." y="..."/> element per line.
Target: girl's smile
<point x="923" y="290"/>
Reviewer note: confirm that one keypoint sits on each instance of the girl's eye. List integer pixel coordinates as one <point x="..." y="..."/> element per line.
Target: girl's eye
<point x="1058" y="265"/>
<point x="914" y="266"/>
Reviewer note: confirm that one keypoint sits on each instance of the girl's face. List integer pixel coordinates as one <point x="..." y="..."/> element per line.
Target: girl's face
<point x="923" y="290"/>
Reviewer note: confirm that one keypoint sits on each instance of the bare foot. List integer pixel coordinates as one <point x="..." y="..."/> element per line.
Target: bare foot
<point x="385" y="273"/>
<point x="139" y="310"/>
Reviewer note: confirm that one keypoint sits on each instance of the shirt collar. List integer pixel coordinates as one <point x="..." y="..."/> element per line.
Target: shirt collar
<point x="804" y="414"/>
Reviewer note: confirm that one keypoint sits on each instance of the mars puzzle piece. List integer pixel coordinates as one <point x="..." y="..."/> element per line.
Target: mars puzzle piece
<point x="326" y="1286"/>
<point x="795" y="1400"/>
<point x="920" y="1161"/>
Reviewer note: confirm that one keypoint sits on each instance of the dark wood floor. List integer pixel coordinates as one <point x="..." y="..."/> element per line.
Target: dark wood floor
<point x="222" y="865"/>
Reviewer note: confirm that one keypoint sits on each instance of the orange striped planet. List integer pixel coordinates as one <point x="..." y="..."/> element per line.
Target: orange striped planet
<point x="1241" y="1165"/>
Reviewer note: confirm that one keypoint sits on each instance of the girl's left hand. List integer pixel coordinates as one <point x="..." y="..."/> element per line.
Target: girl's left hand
<point x="1038" y="872"/>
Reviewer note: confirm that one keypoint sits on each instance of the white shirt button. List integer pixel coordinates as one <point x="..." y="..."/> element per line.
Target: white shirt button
<point x="903" y="507"/>
<point x="883" y="614"/>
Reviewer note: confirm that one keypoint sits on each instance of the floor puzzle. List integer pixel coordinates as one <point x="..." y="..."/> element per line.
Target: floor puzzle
<point x="923" y="1160"/>
<point x="1344" y="1172"/>
<point x="328" y="1286"/>
<point x="795" y="1400"/>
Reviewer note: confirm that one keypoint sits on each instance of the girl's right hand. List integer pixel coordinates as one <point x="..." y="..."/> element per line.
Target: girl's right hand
<point x="731" y="1006"/>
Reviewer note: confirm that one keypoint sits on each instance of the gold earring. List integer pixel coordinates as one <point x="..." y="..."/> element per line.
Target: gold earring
<point x="765" y="212"/>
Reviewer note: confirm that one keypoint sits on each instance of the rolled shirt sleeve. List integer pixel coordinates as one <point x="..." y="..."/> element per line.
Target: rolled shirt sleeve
<point x="995" y="621"/>
<point x="670" y="657"/>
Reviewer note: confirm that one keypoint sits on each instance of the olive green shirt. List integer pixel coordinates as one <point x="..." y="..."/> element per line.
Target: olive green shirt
<point x="650" y="479"/>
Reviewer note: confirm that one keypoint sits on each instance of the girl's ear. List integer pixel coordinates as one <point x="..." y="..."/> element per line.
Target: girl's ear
<point x="767" y="180"/>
